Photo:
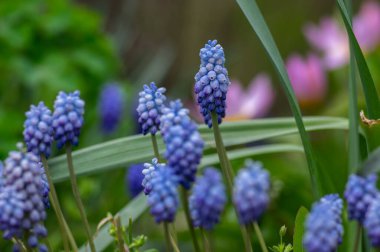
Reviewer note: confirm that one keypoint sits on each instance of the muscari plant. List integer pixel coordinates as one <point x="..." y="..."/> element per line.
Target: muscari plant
<point x="24" y="187"/>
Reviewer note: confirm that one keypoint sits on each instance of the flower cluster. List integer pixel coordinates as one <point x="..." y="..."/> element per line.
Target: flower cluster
<point x="323" y="227"/>
<point x="372" y="222"/>
<point x="251" y="192"/>
<point x="67" y="118"/>
<point x="360" y="193"/>
<point x="184" y="144"/>
<point x="151" y="104"/>
<point x="111" y="107"/>
<point x="1" y="174"/>
<point x="21" y="200"/>
<point x="208" y="199"/>
<point x="149" y="172"/>
<point x="38" y="133"/>
<point x="211" y="82"/>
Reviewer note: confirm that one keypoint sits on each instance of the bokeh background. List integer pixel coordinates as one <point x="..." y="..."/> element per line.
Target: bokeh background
<point x="48" y="46"/>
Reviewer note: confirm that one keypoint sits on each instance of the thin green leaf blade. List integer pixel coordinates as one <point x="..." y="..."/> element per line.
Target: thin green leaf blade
<point x="372" y="164"/>
<point x="299" y="229"/>
<point x="256" y="19"/>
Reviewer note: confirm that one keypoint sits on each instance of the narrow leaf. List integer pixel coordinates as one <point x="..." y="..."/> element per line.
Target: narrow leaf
<point x="372" y="164"/>
<point x="299" y="229"/>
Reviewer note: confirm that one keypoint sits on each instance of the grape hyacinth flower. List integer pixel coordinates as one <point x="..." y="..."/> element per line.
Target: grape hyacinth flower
<point x="68" y="118"/>
<point x="211" y="82"/>
<point x="251" y="192"/>
<point x="360" y="193"/>
<point x="1" y="174"/>
<point x="308" y="78"/>
<point x="372" y="222"/>
<point x="163" y="198"/>
<point x="111" y="107"/>
<point x="323" y="226"/>
<point x="38" y="131"/>
<point x="151" y="104"/>
<point x="134" y="179"/>
<point x="208" y="199"/>
<point x="184" y="144"/>
<point x="22" y="174"/>
<point x="149" y="172"/>
<point x="45" y="189"/>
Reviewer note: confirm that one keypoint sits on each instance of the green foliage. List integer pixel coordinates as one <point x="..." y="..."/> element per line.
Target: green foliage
<point x="282" y="247"/>
<point x="299" y="229"/>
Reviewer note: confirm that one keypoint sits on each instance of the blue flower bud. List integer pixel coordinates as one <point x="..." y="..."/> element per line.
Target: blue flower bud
<point x="38" y="131"/>
<point x="372" y="222"/>
<point x="149" y="172"/>
<point x="150" y="107"/>
<point x="184" y="144"/>
<point x="323" y="226"/>
<point x="211" y="82"/>
<point x="163" y="198"/>
<point x="67" y="118"/>
<point x="111" y="107"/>
<point x="251" y="192"/>
<point x="208" y="199"/>
<point x="134" y="179"/>
<point x="12" y="208"/>
<point x="359" y="193"/>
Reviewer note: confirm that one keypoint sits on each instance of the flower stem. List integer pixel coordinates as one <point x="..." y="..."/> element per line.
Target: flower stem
<point x="185" y="203"/>
<point x="155" y="147"/>
<point x="260" y="237"/>
<point x="357" y="237"/>
<point x="206" y="242"/>
<point x="77" y="196"/>
<point x="170" y="242"/>
<point x="119" y="233"/>
<point x="65" y="230"/>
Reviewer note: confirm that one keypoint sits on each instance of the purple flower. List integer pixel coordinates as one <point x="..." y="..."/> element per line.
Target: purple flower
<point x="372" y="222"/>
<point x="111" y="107"/>
<point x="308" y="78"/>
<point x="366" y="26"/>
<point x="134" y="179"/>
<point x="254" y="102"/>
<point x="331" y="40"/>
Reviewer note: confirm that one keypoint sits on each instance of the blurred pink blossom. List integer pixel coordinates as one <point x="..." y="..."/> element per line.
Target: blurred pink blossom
<point x="308" y="78"/>
<point x="254" y="102"/>
<point x="367" y="26"/>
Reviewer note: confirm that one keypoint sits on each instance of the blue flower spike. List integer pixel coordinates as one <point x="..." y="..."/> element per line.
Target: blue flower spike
<point x="111" y="107"/>
<point x="372" y="222"/>
<point x="211" y="82"/>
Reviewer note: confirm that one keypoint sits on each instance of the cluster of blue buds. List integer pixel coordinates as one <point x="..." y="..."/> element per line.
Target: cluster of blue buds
<point x="211" y="82"/>
<point x="67" y="118"/>
<point x="208" y="199"/>
<point x="251" y="192"/>
<point x="163" y="197"/>
<point x="134" y="179"/>
<point x="372" y="222"/>
<point x="22" y="189"/>
<point x="38" y="131"/>
<point x="111" y="107"/>
<point x="323" y="227"/>
<point x="184" y="144"/>
<point x="360" y="192"/>
<point x="151" y="104"/>
<point x="149" y="172"/>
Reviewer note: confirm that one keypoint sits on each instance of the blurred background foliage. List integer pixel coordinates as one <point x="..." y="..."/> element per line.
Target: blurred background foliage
<point x="52" y="45"/>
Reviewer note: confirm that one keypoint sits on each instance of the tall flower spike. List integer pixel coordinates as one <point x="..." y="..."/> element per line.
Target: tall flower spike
<point x="150" y="107"/>
<point x="359" y="193"/>
<point x="111" y="107"/>
<point x="67" y="118"/>
<point x="251" y="192"/>
<point x="184" y="144"/>
<point x="38" y="131"/>
<point x="163" y="198"/>
<point x="372" y="222"/>
<point x="208" y="199"/>
<point x="134" y="178"/>
<point x="22" y="174"/>
<point x="149" y="172"/>
<point x="323" y="227"/>
<point x="211" y="82"/>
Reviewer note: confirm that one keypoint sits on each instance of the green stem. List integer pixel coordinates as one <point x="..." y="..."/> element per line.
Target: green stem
<point x="119" y="233"/>
<point x="77" y="196"/>
<point x="65" y="230"/>
<point x="170" y="242"/>
<point x="155" y="147"/>
<point x="228" y="173"/>
<point x="185" y="203"/>
<point x="357" y="237"/>
<point x="206" y="242"/>
<point x="260" y="237"/>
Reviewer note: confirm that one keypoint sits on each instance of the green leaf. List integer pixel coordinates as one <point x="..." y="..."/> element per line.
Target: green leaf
<point x="135" y="149"/>
<point x="370" y="93"/>
<point x="372" y="164"/>
<point x="256" y="19"/>
<point x="299" y="229"/>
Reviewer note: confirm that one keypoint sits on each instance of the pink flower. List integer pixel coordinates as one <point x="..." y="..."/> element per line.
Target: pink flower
<point x="331" y="39"/>
<point x="254" y="102"/>
<point x="367" y="26"/>
<point x="308" y="78"/>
